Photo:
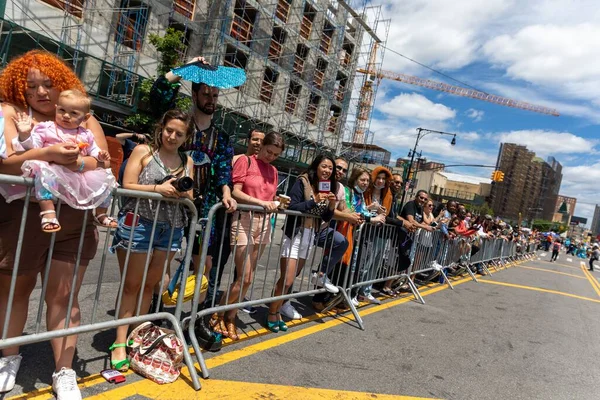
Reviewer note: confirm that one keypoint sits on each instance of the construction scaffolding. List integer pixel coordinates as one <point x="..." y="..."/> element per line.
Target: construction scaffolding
<point x="301" y="59"/>
<point x="300" y="56"/>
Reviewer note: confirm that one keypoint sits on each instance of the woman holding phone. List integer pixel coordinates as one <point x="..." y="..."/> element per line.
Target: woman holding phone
<point x="300" y="233"/>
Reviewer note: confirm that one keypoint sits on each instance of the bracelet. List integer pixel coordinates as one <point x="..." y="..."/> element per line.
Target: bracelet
<point x="81" y="166"/>
<point x="154" y="189"/>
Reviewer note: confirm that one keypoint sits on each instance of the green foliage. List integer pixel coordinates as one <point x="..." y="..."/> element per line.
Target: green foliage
<point x="482" y="209"/>
<point x="141" y="122"/>
<point x="184" y="103"/>
<point x="545" y="226"/>
<point x="144" y="89"/>
<point x="170" y="47"/>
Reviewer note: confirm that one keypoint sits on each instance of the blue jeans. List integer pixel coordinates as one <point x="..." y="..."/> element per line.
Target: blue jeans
<point x="142" y="235"/>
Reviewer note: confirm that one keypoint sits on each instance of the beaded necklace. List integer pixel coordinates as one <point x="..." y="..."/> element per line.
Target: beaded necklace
<point x="204" y="143"/>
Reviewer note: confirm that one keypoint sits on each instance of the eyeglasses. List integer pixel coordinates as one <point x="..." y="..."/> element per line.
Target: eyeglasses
<point x="340" y="168"/>
<point x="422" y="198"/>
<point x="397" y="182"/>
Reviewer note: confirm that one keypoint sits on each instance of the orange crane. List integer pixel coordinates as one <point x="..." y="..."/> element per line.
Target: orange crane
<point x="366" y="101"/>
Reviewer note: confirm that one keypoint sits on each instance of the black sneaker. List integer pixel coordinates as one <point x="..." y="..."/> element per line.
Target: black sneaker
<point x="208" y="340"/>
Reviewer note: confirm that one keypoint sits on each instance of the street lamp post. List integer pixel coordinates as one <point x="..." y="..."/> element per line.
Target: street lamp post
<point x="422" y="132"/>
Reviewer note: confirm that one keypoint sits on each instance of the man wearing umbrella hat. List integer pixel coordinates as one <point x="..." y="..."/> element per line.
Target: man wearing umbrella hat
<point x="211" y="150"/>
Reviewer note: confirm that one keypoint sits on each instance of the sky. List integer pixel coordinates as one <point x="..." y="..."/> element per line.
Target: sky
<point x="545" y="52"/>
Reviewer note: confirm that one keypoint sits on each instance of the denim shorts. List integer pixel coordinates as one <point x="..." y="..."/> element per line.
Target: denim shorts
<point x="141" y="236"/>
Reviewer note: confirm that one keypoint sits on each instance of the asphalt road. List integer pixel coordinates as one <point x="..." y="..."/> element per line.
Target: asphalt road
<point x="527" y="332"/>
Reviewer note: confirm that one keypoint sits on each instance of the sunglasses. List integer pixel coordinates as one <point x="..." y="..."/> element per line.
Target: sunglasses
<point x="397" y="182"/>
<point x="422" y="198"/>
<point x="340" y="168"/>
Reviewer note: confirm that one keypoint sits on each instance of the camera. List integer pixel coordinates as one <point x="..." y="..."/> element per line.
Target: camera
<point x="182" y="184"/>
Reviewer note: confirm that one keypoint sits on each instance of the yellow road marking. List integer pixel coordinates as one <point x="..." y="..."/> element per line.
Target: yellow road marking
<point x="591" y="278"/>
<point x="540" y="290"/>
<point x="182" y="385"/>
<point x="217" y="389"/>
<point x="555" y="272"/>
<point x="93" y="380"/>
<point x="562" y="265"/>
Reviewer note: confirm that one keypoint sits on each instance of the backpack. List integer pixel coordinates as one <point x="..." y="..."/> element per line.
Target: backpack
<point x="556" y="246"/>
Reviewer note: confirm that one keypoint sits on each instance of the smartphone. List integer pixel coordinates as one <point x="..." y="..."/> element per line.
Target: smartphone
<point x="113" y="376"/>
<point x="324" y="186"/>
<point x="131" y="219"/>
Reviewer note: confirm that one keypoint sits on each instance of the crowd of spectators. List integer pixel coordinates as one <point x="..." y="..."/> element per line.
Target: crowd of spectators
<point x="338" y="200"/>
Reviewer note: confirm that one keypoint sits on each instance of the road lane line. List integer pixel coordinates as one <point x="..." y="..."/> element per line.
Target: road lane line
<point x="554" y="272"/>
<point x="93" y="380"/>
<point x="219" y="389"/>
<point x="590" y="278"/>
<point x="540" y="290"/>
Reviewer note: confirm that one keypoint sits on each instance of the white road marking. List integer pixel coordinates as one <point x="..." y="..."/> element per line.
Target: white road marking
<point x="569" y="259"/>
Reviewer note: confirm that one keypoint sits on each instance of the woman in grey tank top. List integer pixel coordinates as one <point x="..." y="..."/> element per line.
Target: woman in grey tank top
<point x="156" y="168"/>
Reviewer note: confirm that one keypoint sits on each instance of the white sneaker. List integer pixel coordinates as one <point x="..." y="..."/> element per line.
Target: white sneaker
<point x="323" y="281"/>
<point x="9" y="366"/>
<point x="371" y="299"/>
<point x="64" y="384"/>
<point x="288" y="310"/>
<point x="355" y="302"/>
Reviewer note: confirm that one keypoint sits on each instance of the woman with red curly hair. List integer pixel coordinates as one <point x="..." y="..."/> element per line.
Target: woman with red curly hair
<point x="31" y="84"/>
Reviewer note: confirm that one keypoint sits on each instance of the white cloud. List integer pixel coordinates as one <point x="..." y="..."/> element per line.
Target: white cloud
<point x="549" y="53"/>
<point x="415" y="106"/>
<point x="399" y="139"/>
<point x="581" y="182"/>
<point x="475" y="115"/>
<point x="440" y="33"/>
<point x="552" y="47"/>
<point x="545" y="143"/>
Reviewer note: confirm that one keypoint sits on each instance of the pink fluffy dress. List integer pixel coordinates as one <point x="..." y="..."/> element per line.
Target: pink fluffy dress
<point x="79" y="190"/>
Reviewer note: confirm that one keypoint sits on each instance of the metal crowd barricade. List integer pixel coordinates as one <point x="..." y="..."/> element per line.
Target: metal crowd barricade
<point x="95" y="322"/>
<point x="380" y="254"/>
<point x="377" y="259"/>
<point x="268" y="268"/>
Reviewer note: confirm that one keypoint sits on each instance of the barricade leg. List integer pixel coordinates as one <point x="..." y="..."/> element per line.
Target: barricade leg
<point x="486" y="269"/>
<point x="446" y="279"/>
<point x="473" y="277"/>
<point x="414" y="290"/>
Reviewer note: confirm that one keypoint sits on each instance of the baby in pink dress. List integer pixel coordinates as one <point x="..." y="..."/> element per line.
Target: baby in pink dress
<point x="73" y="185"/>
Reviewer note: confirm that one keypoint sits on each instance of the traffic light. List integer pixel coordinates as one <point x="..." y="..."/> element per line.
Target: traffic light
<point x="497" y="176"/>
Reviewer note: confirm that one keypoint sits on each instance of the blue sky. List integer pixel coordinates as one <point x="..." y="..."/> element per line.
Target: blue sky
<point x="545" y="52"/>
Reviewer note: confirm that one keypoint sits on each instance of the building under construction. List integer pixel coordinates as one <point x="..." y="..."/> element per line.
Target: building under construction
<point x="300" y="56"/>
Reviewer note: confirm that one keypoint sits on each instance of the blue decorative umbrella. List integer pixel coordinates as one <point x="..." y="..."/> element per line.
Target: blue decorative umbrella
<point x="219" y="77"/>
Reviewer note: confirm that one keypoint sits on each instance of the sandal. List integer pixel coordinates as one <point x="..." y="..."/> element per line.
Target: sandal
<point x="388" y="292"/>
<point x="273" y="326"/>
<point x="49" y="225"/>
<point x="282" y="326"/>
<point x="217" y="324"/>
<point x="120" y="365"/>
<point x="105" y="221"/>
<point x="232" y="331"/>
